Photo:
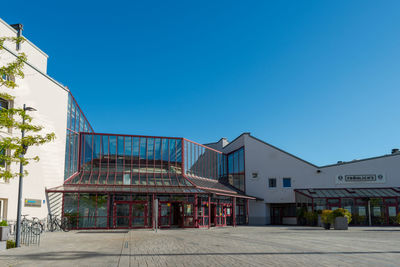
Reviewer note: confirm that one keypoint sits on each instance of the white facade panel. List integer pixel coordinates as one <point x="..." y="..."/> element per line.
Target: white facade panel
<point x="50" y="100"/>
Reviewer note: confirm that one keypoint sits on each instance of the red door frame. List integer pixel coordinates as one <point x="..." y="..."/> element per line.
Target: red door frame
<point x="169" y="214"/>
<point x="387" y="205"/>
<point x="130" y="203"/>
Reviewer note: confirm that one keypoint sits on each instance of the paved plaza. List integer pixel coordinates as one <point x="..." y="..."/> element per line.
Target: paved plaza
<point x="240" y="246"/>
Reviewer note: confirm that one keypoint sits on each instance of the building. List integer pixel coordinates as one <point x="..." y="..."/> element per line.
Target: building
<point x="35" y="90"/>
<point x="369" y="188"/>
<point x="99" y="180"/>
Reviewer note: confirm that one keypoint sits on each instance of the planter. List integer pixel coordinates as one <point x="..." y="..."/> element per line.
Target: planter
<point x="340" y="223"/>
<point x="327" y="226"/>
<point x="4" y="233"/>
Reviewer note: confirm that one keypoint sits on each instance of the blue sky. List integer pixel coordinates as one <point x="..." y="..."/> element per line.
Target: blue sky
<point x="319" y="79"/>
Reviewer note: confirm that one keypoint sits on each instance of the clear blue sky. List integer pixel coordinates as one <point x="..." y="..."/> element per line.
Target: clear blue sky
<point x="319" y="79"/>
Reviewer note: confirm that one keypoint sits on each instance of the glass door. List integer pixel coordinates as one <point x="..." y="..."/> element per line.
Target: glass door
<point x="121" y="215"/>
<point x="391" y="210"/>
<point x="165" y="215"/>
<point x="139" y="211"/>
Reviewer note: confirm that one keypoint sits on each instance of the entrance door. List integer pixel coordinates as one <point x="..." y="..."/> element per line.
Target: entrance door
<point x="165" y="214"/>
<point x="139" y="212"/>
<point x="122" y="215"/>
<point x="213" y="214"/>
<point x="391" y="211"/>
<point x="276" y="215"/>
<point x="176" y="214"/>
<point x="130" y="214"/>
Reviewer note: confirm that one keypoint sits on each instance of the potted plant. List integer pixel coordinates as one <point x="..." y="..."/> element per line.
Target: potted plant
<point x="326" y="219"/>
<point x="341" y="219"/>
<point x="4" y="231"/>
<point x="311" y="218"/>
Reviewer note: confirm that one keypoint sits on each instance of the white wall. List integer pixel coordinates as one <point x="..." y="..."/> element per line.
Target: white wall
<point x="50" y="99"/>
<point x="271" y="162"/>
<point x="36" y="57"/>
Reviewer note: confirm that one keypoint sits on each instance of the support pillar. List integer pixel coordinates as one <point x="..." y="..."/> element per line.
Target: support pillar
<point x="153" y="212"/>
<point x="209" y="212"/>
<point x="247" y="211"/>
<point x="196" y="223"/>
<point x="234" y="211"/>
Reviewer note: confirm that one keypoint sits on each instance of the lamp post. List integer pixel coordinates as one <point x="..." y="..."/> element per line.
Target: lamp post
<point x="21" y="169"/>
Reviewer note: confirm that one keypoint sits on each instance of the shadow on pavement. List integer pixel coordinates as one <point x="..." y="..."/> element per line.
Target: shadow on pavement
<point x="103" y="232"/>
<point x="74" y="255"/>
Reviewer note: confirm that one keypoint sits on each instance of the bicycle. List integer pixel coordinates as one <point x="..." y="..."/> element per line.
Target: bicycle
<point x="55" y="224"/>
<point x="30" y="226"/>
<point x="37" y="224"/>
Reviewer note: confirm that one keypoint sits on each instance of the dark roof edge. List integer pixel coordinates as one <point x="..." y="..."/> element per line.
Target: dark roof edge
<point x="234" y="140"/>
<point x="307" y="162"/>
<point x="358" y="160"/>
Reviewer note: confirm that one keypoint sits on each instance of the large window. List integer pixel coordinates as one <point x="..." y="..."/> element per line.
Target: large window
<point x="236" y="175"/>
<point x="202" y="161"/>
<point x="130" y="160"/>
<point x="76" y="122"/>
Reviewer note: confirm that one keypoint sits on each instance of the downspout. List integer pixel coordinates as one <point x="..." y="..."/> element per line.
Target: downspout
<point x="18" y="27"/>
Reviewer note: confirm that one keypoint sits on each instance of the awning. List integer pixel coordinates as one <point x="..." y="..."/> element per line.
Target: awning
<point x="66" y="188"/>
<point x="350" y="192"/>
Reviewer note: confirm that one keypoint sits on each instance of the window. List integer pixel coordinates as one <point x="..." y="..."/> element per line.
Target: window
<point x="272" y="182"/>
<point x="287" y="182"/>
<point x="2" y="161"/>
<point x="3" y="104"/>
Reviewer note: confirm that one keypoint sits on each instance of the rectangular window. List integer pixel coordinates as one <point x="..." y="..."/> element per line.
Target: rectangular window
<point x="271" y="182"/>
<point x="287" y="182"/>
<point x="2" y="161"/>
<point x="3" y="104"/>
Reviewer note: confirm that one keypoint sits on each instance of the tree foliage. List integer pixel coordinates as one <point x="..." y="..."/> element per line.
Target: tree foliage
<point x="14" y="148"/>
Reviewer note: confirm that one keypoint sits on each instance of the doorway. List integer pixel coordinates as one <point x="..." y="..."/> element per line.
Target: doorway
<point x="171" y="214"/>
<point x="276" y="215"/>
<point x="176" y="214"/>
<point x="213" y="213"/>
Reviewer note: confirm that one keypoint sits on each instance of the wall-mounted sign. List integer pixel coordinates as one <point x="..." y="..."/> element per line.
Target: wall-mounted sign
<point x="361" y="178"/>
<point x="32" y="202"/>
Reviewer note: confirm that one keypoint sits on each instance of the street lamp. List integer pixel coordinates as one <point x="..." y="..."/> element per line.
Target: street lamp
<point x="21" y="169"/>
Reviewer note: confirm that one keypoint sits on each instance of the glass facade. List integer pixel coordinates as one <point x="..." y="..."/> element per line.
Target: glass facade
<point x="381" y="210"/>
<point x="235" y="167"/>
<point x="76" y="122"/>
<point x="202" y="161"/>
<point x="112" y="181"/>
<point x="90" y="211"/>
<point x="130" y="160"/>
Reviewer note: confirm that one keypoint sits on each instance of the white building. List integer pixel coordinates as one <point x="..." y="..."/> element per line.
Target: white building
<point x="272" y="175"/>
<point x="250" y="181"/>
<point x="50" y="99"/>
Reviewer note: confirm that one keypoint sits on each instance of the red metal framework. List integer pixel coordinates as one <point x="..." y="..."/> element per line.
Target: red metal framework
<point x="120" y="168"/>
<point x="383" y="203"/>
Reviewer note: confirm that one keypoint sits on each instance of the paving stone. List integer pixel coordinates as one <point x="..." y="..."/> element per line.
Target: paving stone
<point x="240" y="246"/>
